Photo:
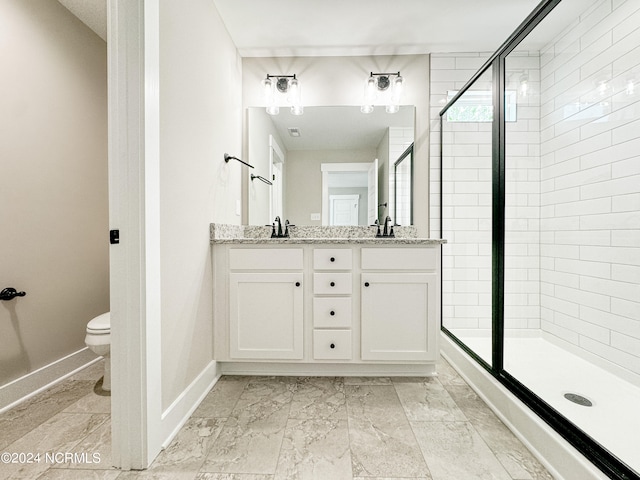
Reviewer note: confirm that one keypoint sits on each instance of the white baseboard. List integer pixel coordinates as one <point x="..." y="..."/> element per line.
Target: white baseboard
<point x="25" y="387"/>
<point x="562" y="460"/>
<point x="174" y="417"/>
<point x="329" y="369"/>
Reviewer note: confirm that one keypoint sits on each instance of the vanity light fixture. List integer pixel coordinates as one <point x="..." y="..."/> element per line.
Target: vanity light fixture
<point x="275" y="87"/>
<point x="381" y="84"/>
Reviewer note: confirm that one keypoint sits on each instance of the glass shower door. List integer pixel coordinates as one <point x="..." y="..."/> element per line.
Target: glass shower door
<point x="466" y="216"/>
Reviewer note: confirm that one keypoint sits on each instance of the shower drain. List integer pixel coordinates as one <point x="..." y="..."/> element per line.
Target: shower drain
<point x="579" y="399"/>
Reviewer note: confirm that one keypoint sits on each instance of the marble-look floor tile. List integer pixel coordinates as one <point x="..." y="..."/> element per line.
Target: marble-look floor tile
<point x="315" y="449"/>
<point x="187" y="451"/>
<point x="93" y="452"/>
<point x="222" y="398"/>
<point x="149" y="475"/>
<point x="319" y="398"/>
<point x="66" y="474"/>
<point x="428" y="401"/>
<point x="37" y="410"/>
<point x="456" y="450"/>
<point x="90" y="403"/>
<point x="447" y="375"/>
<point x="513" y="455"/>
<point x="391" y="478"/>
<point x="367" y="380"/>
<point x="250" y="440"/>
<point x="232" y="476"/>
<point x="60" y="434"/>
<point x="382" y="442"/>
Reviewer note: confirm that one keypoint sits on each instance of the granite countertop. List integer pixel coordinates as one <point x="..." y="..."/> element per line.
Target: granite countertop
<point x="257" y="235"/>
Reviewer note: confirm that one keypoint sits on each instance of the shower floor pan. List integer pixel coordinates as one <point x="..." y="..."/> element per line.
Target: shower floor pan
<point x="551" y="372"/>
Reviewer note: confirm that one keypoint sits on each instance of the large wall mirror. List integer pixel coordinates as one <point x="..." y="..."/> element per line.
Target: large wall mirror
<point x="332" y="166"/>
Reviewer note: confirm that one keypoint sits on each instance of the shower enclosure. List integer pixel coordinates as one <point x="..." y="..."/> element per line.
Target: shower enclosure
<point x="539" y="184"/>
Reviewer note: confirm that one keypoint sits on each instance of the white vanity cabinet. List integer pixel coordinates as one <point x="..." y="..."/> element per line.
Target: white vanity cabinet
<point x="312" y="308"/>
<point x="399" y="291"/>
<point x="266" y="304"/>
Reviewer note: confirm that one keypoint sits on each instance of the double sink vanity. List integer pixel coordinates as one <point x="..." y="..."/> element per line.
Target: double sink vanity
<point x="325" y="301"/>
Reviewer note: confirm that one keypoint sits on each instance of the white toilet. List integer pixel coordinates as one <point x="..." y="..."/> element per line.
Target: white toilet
<point x="98" y="340"/>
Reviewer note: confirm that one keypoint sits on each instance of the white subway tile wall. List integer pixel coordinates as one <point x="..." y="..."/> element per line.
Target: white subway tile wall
<point x="590" y="220"/>
<point x="572" y="263"/>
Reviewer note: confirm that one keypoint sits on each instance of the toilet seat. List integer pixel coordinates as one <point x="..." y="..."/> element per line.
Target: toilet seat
<point x="100" y="325"/>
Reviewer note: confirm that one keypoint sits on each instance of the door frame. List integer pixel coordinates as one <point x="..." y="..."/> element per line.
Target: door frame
<point x="134" y="210"/>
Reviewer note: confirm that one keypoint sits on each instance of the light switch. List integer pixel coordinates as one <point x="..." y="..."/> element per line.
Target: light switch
<point x="315" y="217"/>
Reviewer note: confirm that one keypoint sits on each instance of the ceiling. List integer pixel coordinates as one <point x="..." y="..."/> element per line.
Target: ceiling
<point x="336" y="128"/>
<point x="352" y="27"/>
<point x="93" y="13"/>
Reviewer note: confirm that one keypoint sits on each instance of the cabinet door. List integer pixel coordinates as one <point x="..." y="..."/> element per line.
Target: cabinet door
<point x="398" y="317"/>
<point x="265" y="315"/>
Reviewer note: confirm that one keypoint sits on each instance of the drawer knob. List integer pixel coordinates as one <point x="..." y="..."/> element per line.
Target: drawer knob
<point x="297" y="284"/>
<point x="366" y="284"/>
<point x="333" y="284"/>
<point x="332" y="313"/>
<point x="333" y="259"/>
<point x="333" y="345"/>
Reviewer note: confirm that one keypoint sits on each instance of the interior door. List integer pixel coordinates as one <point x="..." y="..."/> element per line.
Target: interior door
<point x="372" y="193"/>
<point x="344" y="209"/>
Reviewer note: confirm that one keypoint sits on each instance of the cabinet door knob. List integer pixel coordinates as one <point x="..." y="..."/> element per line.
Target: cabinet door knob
<point x="332" y="313"/>
<point x="297" y="284"/>
<point x="333" y="345"/>
<point x="333" y="259"/>
<point x="366" y="284"/>
<point x="333" y="284"/>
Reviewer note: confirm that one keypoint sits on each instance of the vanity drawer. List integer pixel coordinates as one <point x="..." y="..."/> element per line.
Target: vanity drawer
<point x="265" y="259"/>
<point x="332" y="312"/>
<point x="332" y="283"/>
<point x="332" y="344"/>
<point x="332" y="259"/>
<point x="400" y="258"/>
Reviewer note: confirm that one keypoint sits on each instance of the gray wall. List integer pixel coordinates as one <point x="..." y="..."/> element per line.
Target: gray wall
<point x="53" y="187"/>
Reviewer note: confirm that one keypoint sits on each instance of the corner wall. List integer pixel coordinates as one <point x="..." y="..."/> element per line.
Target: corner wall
<point x="200" y="120"/>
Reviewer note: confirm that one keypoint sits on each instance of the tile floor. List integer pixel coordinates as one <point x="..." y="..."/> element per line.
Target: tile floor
<point x="276" y="428"/>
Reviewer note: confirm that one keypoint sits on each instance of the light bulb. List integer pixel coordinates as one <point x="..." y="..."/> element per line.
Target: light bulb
<point x="297" y="110"/>
<point x="366" y="108"/>
<point x="398" y="87"/>
<point x="392" y="108"/>
<point x="273" y="110"/>
<point x="267" y="89"/>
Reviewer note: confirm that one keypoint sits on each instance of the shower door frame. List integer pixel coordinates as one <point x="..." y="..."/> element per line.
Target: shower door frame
<point x="608" y="463"/>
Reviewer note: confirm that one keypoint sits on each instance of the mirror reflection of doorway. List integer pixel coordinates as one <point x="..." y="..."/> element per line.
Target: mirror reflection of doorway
<point x="347" y="180"/>
<point x="344" y="210"/>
